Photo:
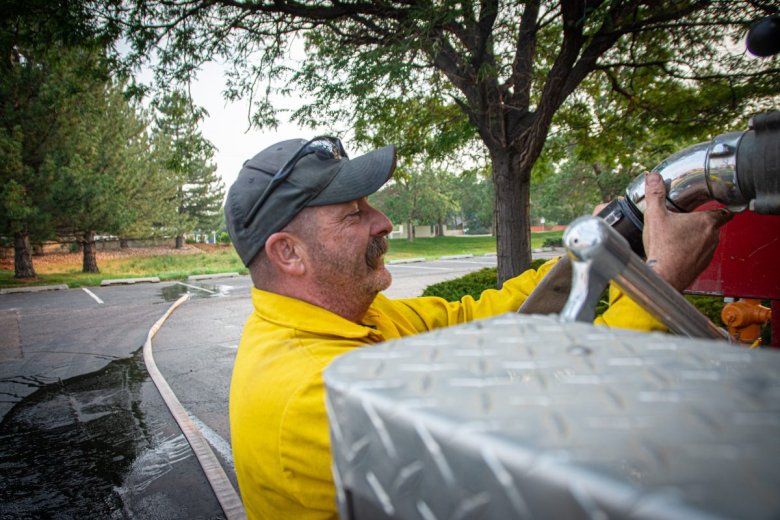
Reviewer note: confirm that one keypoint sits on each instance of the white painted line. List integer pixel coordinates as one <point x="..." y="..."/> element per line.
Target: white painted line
<point x="93" y="295"/>
<point x="406" y="261"/>
<point x="196" y="287"/>
<point x="394" y="266"/>
<point x="483" y="262"/>
<point x="227" y="496"/>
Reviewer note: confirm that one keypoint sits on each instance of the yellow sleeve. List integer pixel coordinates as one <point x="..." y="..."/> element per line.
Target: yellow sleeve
<point x="429" y="313"/>
<point x="624" y="313"/>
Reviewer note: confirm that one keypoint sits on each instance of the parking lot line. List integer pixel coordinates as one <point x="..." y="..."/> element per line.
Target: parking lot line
<point x="196" y="287"/>
<point x="415" y="266"/>
<point x="93" y="295"/>
<point x="475" y="262"/>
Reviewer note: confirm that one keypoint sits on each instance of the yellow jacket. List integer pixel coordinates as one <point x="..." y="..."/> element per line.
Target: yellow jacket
<point x="278" y="423"/>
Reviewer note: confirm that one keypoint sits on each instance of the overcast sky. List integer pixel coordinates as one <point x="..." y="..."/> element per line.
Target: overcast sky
<point x="227" y="123"/>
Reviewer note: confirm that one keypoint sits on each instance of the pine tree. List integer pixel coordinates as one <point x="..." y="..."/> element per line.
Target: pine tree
<point x="100" y="168"/>
<point x="187" y="155"/>
<point x="38" y="77"/>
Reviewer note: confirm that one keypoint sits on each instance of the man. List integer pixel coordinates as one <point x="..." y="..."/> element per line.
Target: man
<point x="299" y="219"/>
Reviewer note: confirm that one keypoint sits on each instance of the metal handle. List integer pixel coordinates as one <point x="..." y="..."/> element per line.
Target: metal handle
<point x="600" y="254"/>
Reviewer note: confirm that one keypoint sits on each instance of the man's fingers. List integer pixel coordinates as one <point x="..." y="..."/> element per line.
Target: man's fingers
<point x="721" y="216"/>
<point x="713" y="219"/>
<point x="655" y="191"/>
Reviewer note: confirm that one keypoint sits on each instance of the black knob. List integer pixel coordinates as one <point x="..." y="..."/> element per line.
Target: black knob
<point x="763" y="38"/>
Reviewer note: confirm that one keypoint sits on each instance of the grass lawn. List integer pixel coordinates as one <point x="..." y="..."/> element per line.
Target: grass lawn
<point x="431" y="248"/>
<point x="168" y="264"/>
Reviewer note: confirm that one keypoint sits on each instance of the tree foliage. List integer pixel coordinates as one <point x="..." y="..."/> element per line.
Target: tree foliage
<point x="42" y="70"/>
<point x="101" y="169"/>
<point x="186" y="157"/>
<point x="75" y="155"/>
<point x="37" y="84"/>
<point x="425" y="194"/>
<point x="474" y="191"/>
<point x="509" y="67"/>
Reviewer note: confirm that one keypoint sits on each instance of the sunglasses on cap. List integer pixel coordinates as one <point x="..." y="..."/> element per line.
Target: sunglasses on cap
<point x="324" y="147"/>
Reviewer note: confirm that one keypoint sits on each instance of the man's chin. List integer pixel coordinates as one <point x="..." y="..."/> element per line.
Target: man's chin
<point x="382" y="278"/>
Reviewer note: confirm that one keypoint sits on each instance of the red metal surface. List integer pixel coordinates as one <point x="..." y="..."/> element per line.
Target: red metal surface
<point x="775" y="323"/>
<point x="746" y="263"/>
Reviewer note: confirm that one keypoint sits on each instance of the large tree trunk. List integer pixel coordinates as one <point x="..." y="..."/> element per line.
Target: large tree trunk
<point x="179" y="241"/>
<point x="90" y="256"/>
<point x="410" y="231"/>
<point x="23" y="266"/>
<point x="512" y="215"/>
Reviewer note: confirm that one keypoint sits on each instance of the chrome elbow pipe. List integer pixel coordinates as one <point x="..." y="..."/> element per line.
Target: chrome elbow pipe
<point x="738" y="169"/>
<point x="700" y="173"/>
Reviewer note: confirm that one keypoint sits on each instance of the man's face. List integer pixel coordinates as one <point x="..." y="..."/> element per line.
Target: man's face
<point x="349" y="247"/>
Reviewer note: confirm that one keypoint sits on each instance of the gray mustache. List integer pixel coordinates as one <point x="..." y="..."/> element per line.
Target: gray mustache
<point x="377" y="247"/>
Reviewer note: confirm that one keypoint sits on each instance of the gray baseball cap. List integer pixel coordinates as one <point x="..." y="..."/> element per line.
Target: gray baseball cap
<point x="277" y="183"/>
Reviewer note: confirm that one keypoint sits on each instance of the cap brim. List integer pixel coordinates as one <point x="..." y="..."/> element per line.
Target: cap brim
<point x="358" y="177"/>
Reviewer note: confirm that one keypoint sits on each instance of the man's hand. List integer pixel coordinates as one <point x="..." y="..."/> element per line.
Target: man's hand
<point x="679" y="246"/>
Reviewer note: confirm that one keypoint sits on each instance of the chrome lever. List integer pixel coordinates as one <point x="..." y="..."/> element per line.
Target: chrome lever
<point x="600" y="254"/>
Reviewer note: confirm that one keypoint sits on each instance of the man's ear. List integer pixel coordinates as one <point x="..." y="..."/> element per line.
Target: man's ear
<point x="284" y="251"/>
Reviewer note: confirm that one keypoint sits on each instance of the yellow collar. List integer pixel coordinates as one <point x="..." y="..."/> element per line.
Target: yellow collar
<point x="298" y="314"/>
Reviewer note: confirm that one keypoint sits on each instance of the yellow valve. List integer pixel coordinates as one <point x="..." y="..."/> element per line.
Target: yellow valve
<point x="744" y="319"/>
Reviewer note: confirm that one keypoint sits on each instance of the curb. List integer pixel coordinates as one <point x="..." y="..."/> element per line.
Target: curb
<point x="34" y="288"/>
<point x="130" y="281"/>
<point x="198" y="277"/>
<point x="406" y="261"/>
<point x="455" y="257"/>
<point x="491" y="254"/>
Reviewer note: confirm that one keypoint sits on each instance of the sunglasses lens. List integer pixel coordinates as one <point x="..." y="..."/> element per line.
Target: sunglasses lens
<point x="326" y="148"/>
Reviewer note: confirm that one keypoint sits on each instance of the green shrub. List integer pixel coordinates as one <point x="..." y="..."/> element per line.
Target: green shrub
<point x="472" y="283"/>
<point x="553" y="242"/>
<point x="710" y="306"/>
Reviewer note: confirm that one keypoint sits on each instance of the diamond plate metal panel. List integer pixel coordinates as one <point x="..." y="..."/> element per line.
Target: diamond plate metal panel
<point x="524" y="417"/>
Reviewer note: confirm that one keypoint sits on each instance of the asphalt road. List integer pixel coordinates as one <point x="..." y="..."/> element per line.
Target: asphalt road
<point x="84" y="431"/>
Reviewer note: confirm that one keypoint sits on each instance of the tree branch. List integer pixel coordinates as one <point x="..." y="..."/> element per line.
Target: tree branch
<point x="484" y="29"/>
<point x="522" y="66"/>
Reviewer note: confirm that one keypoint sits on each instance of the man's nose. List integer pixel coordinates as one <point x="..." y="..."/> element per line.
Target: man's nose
<point x="380" y="224"/>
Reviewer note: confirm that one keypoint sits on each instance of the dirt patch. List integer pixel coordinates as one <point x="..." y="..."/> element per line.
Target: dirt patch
<point x="212" y="248"/>
<point x="51" y="261"/>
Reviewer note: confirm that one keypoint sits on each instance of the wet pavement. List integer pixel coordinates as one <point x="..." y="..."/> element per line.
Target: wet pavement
<point x="98" y="445"/>
<point x="84" y="431"/>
